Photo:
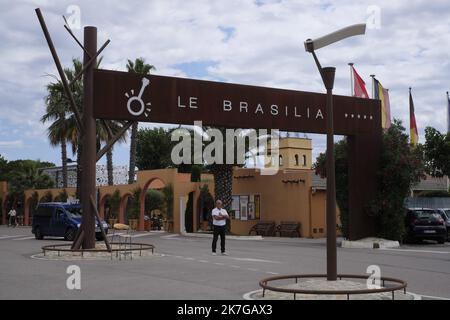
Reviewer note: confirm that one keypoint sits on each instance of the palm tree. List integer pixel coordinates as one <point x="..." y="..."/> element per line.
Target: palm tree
<point x="103" y="135"/>
<point x="56" y="111"/>
<point x="138" y="66"/>
<point x="64" y="127"/>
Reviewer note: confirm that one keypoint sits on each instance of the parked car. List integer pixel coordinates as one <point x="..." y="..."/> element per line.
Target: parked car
<point x="60" y="219"/>
<point x="445" y="214"/>
<point x="425" y="224"/>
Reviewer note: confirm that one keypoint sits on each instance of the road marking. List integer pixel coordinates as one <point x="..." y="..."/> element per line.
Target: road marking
<point x="431" y="297"/>
<point x="189" y="258"/>
<point x="252" y="269"/>
<point x="26" y="238"/>
<point x="170" y="236"/>
<point x="9" y="237"/>
<point x="234" y="266"/>
<point x="419" y="251"/>
<point x="219" y="263"/>
<point x="141" y="235"/>
<point x="270" y="272"/>
<point x="204" y="261"/>
<point x="254" y="260"/>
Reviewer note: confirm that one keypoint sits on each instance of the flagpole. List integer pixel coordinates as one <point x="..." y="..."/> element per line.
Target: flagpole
<point x="448" y="113"/>
<point x="410" y="98"/>
<point x="352" y="81"/>
<point x="373" y="85"/>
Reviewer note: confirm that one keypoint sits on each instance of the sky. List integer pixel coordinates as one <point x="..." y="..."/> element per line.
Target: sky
<point x="238" y="41"/>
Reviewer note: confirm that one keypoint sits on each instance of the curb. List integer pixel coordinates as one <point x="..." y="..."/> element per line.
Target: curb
<point x="208" y="235"/>
<point x="370" y="243"/>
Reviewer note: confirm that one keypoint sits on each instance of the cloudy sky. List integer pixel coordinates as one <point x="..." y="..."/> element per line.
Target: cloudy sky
<point x="240" y="41"/>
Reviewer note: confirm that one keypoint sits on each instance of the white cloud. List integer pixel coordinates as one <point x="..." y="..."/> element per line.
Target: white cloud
<point x="265" y="47"/>
<point x="12" y="144"/>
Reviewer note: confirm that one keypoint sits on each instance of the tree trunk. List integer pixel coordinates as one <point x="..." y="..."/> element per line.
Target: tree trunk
<point x="64" y="162"/>
<point x="109" y="166"/>
<point x="223" y="185"/>
<point x="131" y="170"/>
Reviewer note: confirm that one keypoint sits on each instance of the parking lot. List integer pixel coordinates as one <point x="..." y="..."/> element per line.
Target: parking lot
<point x="185" y="269"/>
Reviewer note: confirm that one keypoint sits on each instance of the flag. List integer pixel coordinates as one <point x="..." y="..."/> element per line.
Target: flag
<point x="359" y="86"/>
<point x="383" y="95"/>
<point x="413" y="135"/>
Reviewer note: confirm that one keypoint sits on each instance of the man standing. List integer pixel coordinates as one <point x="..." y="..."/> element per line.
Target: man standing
<point x="220" y="217"/>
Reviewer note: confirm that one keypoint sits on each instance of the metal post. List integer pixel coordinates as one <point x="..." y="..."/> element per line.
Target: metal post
<point x="352" y="93"/>
<point x="89" y="141"/>
<point x="373" y="85"/>
<point x="328" y="79"/>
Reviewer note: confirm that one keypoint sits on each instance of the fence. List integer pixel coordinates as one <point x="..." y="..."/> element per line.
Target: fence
<point x="434" y="203"/>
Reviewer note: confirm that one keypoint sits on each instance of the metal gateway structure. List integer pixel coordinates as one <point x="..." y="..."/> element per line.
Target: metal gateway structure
<point x="161" y="99"/>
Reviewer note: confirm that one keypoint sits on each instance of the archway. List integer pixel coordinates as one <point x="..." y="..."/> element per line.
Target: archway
<point x="4" y="208"/>
<point x="47" y="197"/>
<point x="123" y="206"/>
<point x="26" y="211"/>
<point x="104" y="206"/>
<point x="205" y="204"/>
<point x="153" y="183"/>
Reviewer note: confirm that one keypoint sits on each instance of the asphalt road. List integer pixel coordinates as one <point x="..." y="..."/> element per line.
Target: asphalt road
<point x="187" y="270"/>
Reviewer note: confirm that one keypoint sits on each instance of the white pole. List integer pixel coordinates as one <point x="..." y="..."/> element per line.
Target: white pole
<point x="373" y="85"/>
<point x="352" y="81"/>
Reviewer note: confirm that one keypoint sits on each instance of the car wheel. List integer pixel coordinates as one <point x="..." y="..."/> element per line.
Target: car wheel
<point x="70" y="234"/>
<point x="38" y="234"/>
<point x="441" y="241"/>
<point x="99" y="238"/>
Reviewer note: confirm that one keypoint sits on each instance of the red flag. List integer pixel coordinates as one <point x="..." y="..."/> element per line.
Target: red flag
<point x="359" y="86"/>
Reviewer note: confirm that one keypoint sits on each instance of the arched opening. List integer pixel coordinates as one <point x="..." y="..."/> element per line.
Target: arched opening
<point x="104" y="207"/>
<point x="152" y="184"/>
<point x="30" y="208"/>
<point x="304" y="160"/>
<point x="296" y="160"/>
<point x="205" y="205"/>
<point x="123" y="207"/>
<point x="280" y="160"/>
<point x="189" y="213"/>
<point x="47" y="197"/>
<point x="4" y="208"/>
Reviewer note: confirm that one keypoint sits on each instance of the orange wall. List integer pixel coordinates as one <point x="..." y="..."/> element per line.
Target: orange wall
<point x="279" y="201"/>
<point x="318" y="214"/>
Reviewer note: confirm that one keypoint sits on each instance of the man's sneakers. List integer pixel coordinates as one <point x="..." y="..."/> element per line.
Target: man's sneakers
<point x="214" y="254"/>
<point x="224" y="253"/>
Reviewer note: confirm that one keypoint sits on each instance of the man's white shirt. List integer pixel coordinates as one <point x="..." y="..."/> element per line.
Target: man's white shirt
<point x="217" y="212"/>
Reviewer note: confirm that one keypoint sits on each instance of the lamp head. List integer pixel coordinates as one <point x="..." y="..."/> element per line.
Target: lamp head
<point x="350" y="31"/>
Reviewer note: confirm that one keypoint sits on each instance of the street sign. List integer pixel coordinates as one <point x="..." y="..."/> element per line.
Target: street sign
<point x="151" y="98"/>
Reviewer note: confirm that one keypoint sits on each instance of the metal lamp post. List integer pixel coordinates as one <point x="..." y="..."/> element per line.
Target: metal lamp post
<point x="327" y="75"/>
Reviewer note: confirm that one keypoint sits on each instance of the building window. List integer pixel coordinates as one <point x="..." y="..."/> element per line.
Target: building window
<point x="304" y="160"/>
<point x="246" y="207"/>
<point x="280" y="160"/>
<point x="296" y="159"/>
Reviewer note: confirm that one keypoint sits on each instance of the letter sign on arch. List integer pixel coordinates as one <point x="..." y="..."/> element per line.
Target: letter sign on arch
<point x="162" y="99"/>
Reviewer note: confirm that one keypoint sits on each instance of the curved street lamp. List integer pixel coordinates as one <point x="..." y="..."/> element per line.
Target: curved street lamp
<point x="327" y="75"/>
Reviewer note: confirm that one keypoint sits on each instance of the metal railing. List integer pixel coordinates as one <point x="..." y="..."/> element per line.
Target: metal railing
<point x="398" y="285"/>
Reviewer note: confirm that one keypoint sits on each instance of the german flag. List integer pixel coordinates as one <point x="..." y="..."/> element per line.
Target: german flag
<point x="413" y="135"/>
<point x="382" y="94"/>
